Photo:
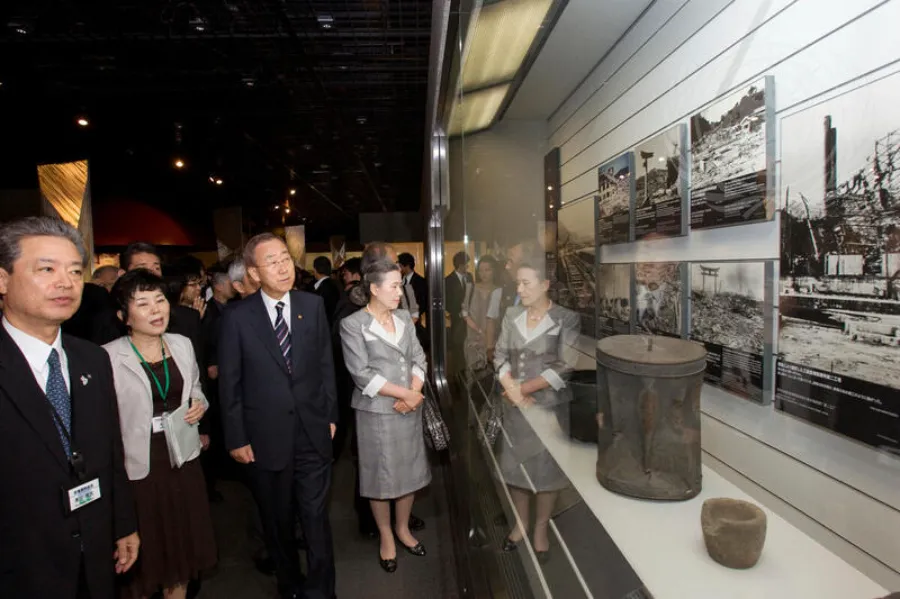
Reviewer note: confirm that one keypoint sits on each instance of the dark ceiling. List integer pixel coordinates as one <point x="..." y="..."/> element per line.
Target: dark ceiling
<point x="325" y="97"/>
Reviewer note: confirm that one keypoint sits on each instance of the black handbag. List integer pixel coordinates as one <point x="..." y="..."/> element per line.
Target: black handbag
<point x="437" y="435"/>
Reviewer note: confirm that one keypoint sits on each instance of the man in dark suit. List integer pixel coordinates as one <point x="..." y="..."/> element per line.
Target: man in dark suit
<point x="213" y="459"/>
<point x="325" y="287"/>
<point x="416" y="282"/>
<point x="65" y="500"/>
<point x="455" y="289"/>
<point x="279" y="409"/>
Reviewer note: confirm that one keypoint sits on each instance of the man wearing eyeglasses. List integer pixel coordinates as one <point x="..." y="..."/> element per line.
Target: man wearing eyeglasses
<point x="279" y="410"/>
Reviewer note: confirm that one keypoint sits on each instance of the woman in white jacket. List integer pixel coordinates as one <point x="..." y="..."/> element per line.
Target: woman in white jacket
<point x="154" y="373"/>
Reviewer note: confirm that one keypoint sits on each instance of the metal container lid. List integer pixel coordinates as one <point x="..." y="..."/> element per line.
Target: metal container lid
<point x="644" y="355"/>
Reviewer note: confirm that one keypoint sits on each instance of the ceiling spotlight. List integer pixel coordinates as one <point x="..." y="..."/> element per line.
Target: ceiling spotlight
<point x="249" y="81"/>
<point x="325" y="21"/>
<point x="307" y="147"/>
<point x="219" y="181"/>
<point x="287" y="210"/>
<point x="82" y="122"/>
<point x="293" y="192"/>
<point x="361" y="120"/>
<point x="549" y="188"/>
<point x="179" y="163"/>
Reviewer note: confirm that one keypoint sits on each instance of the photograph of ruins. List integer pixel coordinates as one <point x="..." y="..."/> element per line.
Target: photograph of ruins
<point x="658" y="300"/>
<point x="614" y="199"/>
<point x="661" y="185"/>
<point x="727" y="304"/>
<point x="575" y="251"/>
<point x="840" y="253"/>
<point x="729" y="159"/>
<point x="613" y="299"/>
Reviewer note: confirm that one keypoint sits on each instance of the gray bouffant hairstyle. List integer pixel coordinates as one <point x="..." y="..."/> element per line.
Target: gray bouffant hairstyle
<point x="374" y="273"/>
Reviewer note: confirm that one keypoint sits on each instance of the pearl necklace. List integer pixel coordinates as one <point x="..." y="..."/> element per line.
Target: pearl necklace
<point x="538" y="318"/>
<point x="383" y="323"/>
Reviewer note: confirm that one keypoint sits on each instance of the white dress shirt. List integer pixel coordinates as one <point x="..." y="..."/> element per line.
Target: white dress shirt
<point x="37" y="353"/>
<point x="318" y="283"/>
<point x="273" y="313"/>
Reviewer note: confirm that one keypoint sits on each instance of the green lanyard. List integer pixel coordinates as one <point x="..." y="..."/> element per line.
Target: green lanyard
<point x="159" y="387"/>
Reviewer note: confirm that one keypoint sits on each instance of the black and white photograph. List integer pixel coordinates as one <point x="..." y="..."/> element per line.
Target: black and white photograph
<point x="839" y="341"/>
<point x="615" y="199"/>
<point x="728" y="317"/>
<point x="613" y="300"/>
<point x="575" y="259"/>
<point x="658" y="298"/>
<point x="730" y="151"/>
<point x="660" y="201"/>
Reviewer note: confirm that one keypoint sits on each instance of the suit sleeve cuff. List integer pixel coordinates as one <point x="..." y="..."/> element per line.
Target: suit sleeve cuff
<point x="374" y="386"/>
<point x="418" y="372"/>
<point x="554" y="379"/>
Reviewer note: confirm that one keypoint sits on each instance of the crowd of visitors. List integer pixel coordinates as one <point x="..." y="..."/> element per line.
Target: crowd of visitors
<point x="275" y="370"/>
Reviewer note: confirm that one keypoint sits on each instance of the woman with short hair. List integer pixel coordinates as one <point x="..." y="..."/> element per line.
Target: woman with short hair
<point x="154" y="373"/>
<point x="387" y="364"/>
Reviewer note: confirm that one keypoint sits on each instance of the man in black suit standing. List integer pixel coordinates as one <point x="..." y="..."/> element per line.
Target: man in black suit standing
<point x="325" y="287"/>
<point x="65" y="500"/>
<point x="279" y="409"/>
<point x="455" y="289"/>
<point x="416" y="282"/>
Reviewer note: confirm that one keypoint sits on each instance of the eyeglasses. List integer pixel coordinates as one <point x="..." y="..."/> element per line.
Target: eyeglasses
<point x="274" y="264"/>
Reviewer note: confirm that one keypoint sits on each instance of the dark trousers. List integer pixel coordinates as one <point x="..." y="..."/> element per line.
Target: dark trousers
<point x="303" y="487"/>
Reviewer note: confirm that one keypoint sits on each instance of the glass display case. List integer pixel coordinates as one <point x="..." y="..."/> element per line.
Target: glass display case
<point x="691" y="178"/>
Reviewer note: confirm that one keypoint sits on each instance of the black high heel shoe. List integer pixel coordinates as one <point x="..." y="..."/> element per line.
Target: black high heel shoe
<point x="418" y="550"/>
<point x="388" y="565"/>
<point x="509" y="545"/>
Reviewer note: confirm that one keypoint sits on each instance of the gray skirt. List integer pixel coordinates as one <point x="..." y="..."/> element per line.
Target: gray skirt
<point x="392" y="457"/>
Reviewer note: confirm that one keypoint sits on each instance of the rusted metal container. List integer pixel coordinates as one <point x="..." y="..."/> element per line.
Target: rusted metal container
<point x="649" y="419"/>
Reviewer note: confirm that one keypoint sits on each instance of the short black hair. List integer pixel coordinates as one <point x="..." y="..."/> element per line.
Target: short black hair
<point x="406" y="259"/>
<point x="459" y="259"/>
<point x="353" y="265"/>
<point x="139" y="279"/>
<point x="322" y="266"/>
<point x="138" y="247"/>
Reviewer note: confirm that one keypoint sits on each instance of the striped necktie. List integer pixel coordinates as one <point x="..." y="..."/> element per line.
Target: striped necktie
<point x="283" y="334"/>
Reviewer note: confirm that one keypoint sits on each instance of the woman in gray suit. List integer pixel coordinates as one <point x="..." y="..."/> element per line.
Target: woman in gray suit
<point x="387" y="365"/>
<point x="533" y="356"/>
<point x="155" y="372"/>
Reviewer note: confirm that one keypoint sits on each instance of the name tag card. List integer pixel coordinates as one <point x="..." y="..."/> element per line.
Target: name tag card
<point x="84" y="494"/>
<point x="158" y="426"/>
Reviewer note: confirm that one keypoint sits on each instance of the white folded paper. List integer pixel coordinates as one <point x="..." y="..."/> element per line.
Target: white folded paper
<point x="183" y="439"/>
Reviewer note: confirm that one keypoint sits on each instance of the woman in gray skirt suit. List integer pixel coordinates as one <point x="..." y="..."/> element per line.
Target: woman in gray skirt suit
<point x="388" y="365"/>
<point x="534" y="354"/>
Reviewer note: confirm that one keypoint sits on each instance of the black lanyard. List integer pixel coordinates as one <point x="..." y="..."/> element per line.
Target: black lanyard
<point x="162" y="392"/>
<point x="76" y="460"/>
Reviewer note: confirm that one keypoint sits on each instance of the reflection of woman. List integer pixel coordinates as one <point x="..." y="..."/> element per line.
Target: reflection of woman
<point x="383" y="355"/>
<point x="480" y="311"/>
<point x="533" y="358"/>
<point x="156" y="372"/>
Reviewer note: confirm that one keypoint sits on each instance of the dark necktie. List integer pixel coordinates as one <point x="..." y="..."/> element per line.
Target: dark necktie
<point x="58" y="396"/>
<point x="283" y="334"/>
<point x="407" y="305"/>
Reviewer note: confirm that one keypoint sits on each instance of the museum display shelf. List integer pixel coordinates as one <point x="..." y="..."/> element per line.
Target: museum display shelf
<point x="663" y="541"/>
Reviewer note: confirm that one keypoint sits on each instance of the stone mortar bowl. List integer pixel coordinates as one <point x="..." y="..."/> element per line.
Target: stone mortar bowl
<point x="734" y="531"/>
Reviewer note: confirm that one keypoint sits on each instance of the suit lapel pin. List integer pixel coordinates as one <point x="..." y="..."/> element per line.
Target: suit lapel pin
<point x="84" y="379"/>
<point x="299" y="317"/>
